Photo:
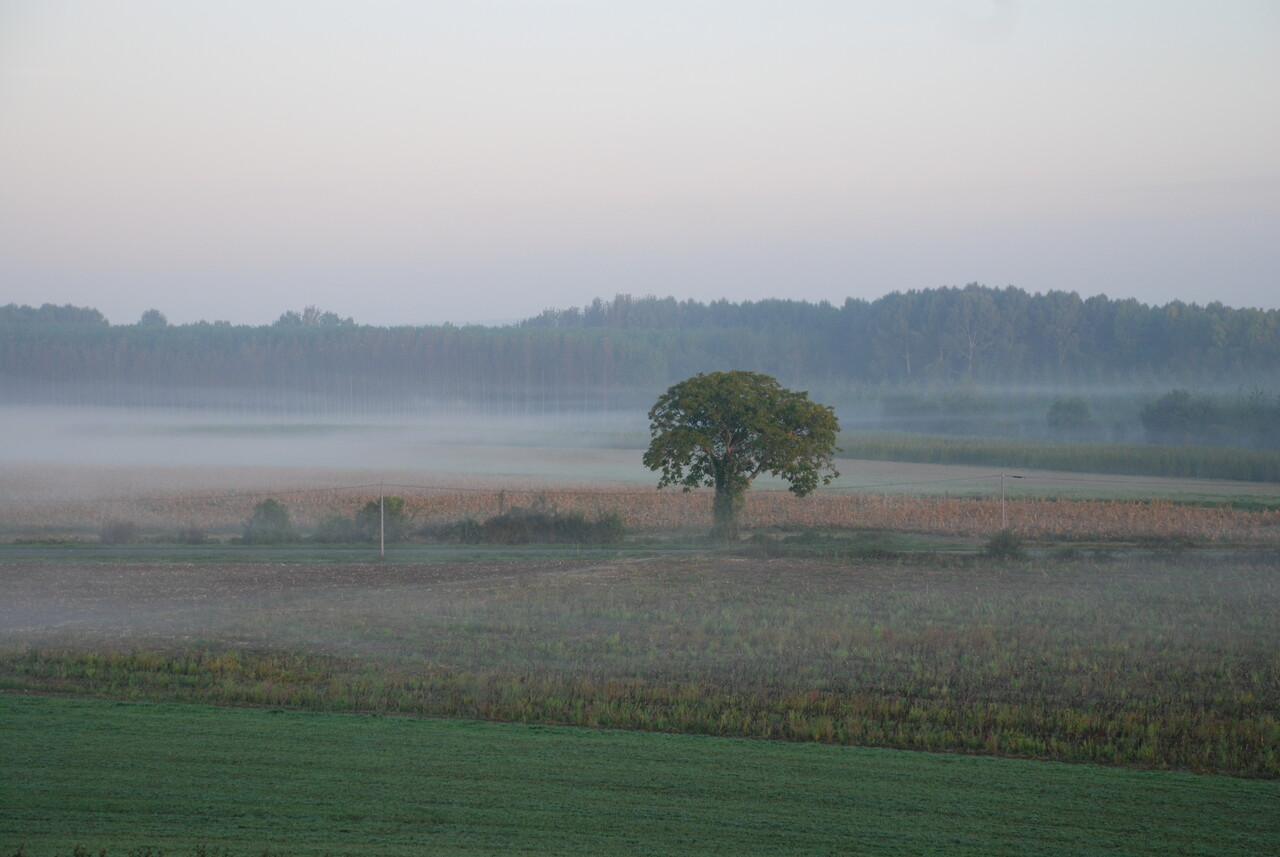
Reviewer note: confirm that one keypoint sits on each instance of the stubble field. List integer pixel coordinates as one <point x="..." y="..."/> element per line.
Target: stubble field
<point x="1159" y="662"/>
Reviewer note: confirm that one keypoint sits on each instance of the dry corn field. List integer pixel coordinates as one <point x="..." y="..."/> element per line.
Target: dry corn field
<point x="160" y="502"/>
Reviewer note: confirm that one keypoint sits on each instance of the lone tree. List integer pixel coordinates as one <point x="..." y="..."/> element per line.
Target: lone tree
<point x="724" y="429"/>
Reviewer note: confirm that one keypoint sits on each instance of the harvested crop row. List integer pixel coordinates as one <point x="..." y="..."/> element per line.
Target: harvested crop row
<point x="656" y="511"/>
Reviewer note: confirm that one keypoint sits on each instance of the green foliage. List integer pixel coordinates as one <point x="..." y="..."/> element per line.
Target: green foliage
<point x="312" y="316"/>
<point x="389" y="516"/>
<point x="1180" y="417"/>
<point x="725" y="429"/>
<point x="269" y="524"/>
<point x="538" y="525"/>
<point x="336" y="529"/>
<point x="1005" y="544"/>
<point x="617" y="352"/>
<point x="153" y="318"/>
<point x="370" y="522"/>
<point x="233" y="780"/>
<point x="51" y="314"/>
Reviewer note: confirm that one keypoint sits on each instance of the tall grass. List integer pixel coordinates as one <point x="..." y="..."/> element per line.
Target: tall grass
<point x="1169" y="664"/>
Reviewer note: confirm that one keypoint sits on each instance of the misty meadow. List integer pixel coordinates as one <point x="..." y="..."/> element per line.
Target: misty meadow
<point x="639" y="428"/>
<point x="975" y="361"/>
<point x="1039" y="547"/>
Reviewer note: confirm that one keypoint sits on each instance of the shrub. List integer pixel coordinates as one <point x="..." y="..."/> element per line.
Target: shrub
<point x="269" y="524"/>
<point x="520" y="526"/>
<point x="336" y="528"/>
<point x="193" y="535"/>
<point x="118" y="533"/>
<point x="387" y="518"/>
<point x="367" y="525"/>
<point x="1005" y="544"/>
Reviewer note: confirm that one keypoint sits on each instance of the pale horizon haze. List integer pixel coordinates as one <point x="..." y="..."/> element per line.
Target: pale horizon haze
<point x="411" y="163"/>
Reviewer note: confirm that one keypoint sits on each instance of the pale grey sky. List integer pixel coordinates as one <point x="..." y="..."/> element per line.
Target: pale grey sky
<point x="476" y="160"/>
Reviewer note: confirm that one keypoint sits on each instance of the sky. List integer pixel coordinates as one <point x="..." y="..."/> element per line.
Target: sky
<point x="481" y="161"/>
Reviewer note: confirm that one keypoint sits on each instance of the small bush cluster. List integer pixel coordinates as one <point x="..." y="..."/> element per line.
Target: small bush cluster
<point x="119" y="533"/>
<point x="371" y="522"/>
<point x="1005" y="544"/>
<point x="521" y="526"/>
<point x="193" y="535"/>
<point x="269" y="524"/>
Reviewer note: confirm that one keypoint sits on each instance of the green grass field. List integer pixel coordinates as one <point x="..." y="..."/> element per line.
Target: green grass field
<point x="1136" y="459"/>
<point x="183" y="780"/>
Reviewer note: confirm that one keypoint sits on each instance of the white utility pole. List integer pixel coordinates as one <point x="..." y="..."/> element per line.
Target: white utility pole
<point x="382" y="522"/>
<point x="1004" y="520"/>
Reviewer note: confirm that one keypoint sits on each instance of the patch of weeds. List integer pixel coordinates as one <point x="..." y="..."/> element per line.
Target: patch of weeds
<point x="764" y="546"/>
<point x="1176" y="542"/>
<point x="537" y="525"/>
<point x="1005" y="544"/>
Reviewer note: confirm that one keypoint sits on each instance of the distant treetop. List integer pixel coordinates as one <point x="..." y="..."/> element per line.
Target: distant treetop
<point x="153" y="318"/>
<point x="312" y="316"/>
<point x="51" y="314"/>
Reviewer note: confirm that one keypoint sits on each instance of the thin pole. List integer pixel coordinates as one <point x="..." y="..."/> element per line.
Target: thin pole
<point x="1004" y="520"/>
<point x="382" y="522"/>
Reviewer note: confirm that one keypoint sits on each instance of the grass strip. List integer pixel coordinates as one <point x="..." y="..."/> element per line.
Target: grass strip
<point x="183" y="779"/>
<point x="1134" y="459"/>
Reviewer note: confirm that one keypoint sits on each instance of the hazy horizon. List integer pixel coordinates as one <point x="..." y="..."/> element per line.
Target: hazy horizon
<point x="479" y="162"/>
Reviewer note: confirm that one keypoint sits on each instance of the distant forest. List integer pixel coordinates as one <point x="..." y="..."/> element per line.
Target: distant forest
<point x="618" y="354"/>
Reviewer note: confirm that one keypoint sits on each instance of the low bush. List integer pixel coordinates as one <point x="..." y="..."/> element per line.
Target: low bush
<point x="270" y="523"/>
<point x="193" y="535"/>
<point x="336" y="529"/>
<point x="1005" y="544"/>
<point x="370" y="523"/>
<point x="521" y="526"/>
<point x="119" y="533"/>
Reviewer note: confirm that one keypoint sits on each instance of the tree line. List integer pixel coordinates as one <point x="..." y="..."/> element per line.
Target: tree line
<point x="622" y="352"/>
<point x="974" y="333"/>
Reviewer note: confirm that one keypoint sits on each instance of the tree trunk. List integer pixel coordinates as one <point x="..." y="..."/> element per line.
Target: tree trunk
<point x="727" y="504"/>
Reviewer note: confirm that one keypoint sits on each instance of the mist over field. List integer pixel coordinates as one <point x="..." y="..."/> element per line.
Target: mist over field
<point x="548" y="446"/>
<point x="329" y="339"/>
<point x="936" y="392"/>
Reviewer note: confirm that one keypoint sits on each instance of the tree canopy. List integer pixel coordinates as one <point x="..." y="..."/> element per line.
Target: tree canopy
<point x="269" y="524"/>
<point x="722" y="430"/>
